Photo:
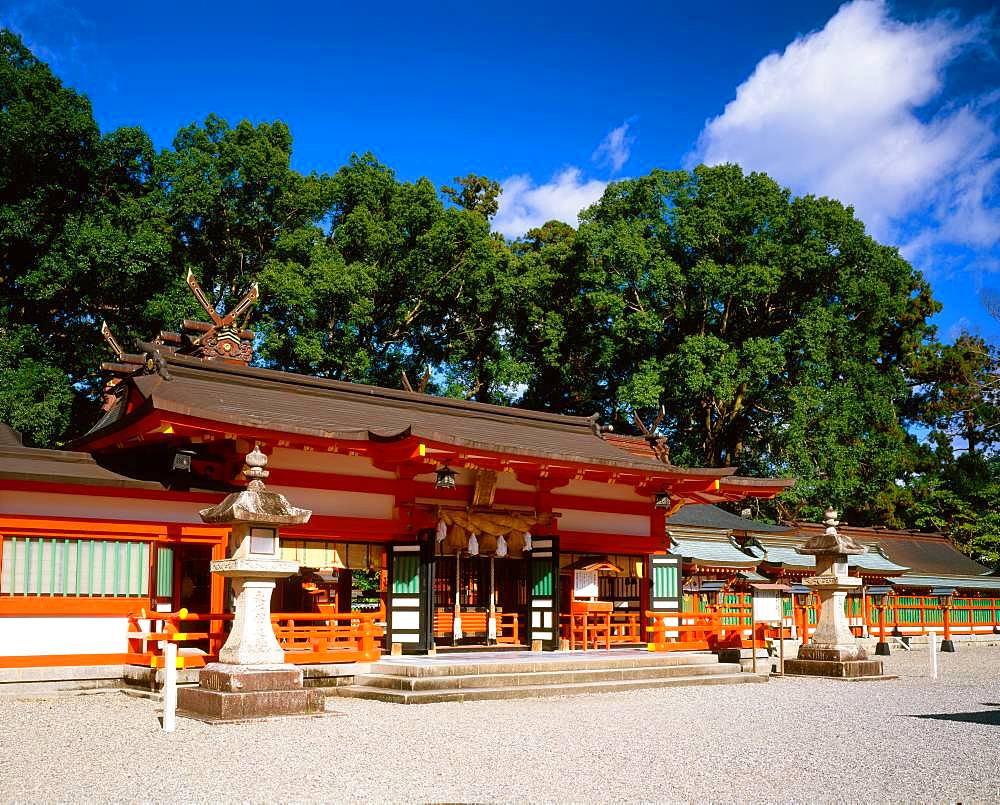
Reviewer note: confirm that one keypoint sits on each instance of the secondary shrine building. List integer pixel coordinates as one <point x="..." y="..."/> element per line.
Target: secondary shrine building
<point x="426" y="510"/>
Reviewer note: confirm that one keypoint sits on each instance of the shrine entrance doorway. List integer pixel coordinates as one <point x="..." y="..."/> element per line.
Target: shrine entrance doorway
<point x="463" y="621"/>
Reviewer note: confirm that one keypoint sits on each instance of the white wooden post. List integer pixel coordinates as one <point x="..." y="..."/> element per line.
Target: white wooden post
<point x="169" y="686"/>
<point x="932" y="644"/>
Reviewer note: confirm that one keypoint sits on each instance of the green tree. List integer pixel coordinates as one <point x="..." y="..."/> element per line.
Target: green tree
<point x="236" y="206"/>
<point x="962" y="498"/>
<point x="957" y="386"/>
<point x="436" y="284"/>
<point x="78" y="241"/>
<point x="772" y="328"/>
<point x="476" y="193"/>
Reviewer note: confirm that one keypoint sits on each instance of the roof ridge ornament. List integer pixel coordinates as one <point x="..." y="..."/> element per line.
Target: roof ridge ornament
<point x="422" y="388"/>
<point x="225" y="338"/>
<point x="657" y="441"/>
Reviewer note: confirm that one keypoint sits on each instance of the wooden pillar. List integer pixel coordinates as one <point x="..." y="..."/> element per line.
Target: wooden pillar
<point x="882" y="647"/>
<point x="947" y="645"/>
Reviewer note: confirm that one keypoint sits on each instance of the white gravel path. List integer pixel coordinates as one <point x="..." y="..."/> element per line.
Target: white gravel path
<point x="789" y="740"/>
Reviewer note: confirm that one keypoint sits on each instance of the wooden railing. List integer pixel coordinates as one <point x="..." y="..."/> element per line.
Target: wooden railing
<point x="904" y="615"/>
<point x="328" y="637"/>
<point x="909" y="615"/>
<point x="305" y="637"/>
<point x="476" y="622"/>
<point x="600" y="629"/>
<point x="198" y="636"/>
<point x="691" y="631"/>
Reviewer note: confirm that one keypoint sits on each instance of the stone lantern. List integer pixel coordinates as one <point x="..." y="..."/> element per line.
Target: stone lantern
<point x="251" y="680"/>
<point x="833" y="650"/>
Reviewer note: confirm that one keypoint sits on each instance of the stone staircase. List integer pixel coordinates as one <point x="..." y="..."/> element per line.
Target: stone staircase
<point x="427" y="680"/>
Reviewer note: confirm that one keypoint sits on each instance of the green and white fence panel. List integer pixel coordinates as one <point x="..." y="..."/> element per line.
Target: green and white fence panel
<point x="37" y="566"/>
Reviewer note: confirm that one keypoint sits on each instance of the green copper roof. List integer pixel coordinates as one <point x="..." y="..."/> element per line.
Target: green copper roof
<point x="711" y="552"/>
<point x="874" y="560"/>
<point x="961" y="582"/>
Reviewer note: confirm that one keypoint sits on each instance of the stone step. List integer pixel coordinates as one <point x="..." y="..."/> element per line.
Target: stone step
<point x="539" y="691"/>
<point x="451" y="667"/>
<point x="546" y="677"/>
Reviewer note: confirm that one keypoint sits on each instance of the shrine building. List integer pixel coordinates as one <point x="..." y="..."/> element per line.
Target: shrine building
<point x="428" y="513"/>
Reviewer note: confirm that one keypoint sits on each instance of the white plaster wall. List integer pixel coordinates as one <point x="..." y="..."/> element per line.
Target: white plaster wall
<point x="315" y="461"/>
<point x="30" y="636"/>
<point x="633" y="525"/>
<point x="46" y="504"/>
<point x="341" y="504"/>
<point x="507" y="480"/>
<point x="596" y="489"/>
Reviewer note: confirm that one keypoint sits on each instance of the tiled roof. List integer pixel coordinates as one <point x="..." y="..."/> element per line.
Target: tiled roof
<point x="960" y="582"/>
<point x="19" y="463"/>
<point x="707" y="516"/>
<point x="331" y="409"/>
<point x="930" y="556"/>
<point x="785" y="555"/>
<point x="926" y="554"/>
<point x="713" y="552"/>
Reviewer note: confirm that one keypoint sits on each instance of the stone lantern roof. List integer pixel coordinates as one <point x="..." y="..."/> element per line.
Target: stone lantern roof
<point x="831" y="542"/>
<point x="255" y="504"/>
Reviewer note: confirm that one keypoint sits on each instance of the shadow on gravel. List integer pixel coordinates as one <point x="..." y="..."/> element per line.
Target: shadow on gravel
<point x="990" y="718"/>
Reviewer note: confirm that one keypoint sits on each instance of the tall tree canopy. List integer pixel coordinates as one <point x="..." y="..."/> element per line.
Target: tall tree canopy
<point x="777" y="335"/>
<point x="775" y="332"/>
<point x="79" y="239"/>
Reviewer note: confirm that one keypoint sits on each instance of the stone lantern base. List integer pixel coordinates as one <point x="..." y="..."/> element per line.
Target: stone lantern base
<point x="837" y="662"/>
<point x="836" y="669"/>
<point x="230" y="693"/>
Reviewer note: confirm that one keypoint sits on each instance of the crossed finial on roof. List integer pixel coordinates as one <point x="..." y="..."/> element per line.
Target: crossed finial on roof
<point x="657" y="441"/>
<point x="224" y="338"/>
<point x="422" y="388"/>
<point x="227" y="320"/>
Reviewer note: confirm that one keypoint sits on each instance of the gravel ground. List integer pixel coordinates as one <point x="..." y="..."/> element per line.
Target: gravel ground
<point x="912" y="739"/>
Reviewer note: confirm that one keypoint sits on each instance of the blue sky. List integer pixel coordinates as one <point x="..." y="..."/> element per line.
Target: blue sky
<point x="890" y="107"/>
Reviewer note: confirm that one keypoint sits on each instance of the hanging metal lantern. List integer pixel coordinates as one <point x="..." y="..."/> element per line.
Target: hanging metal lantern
<point x="445" y="478"/>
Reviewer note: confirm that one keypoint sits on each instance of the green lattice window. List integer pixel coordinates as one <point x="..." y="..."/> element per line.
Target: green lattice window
<point x="541" y="578"/>
<point x="406" y="574"/>
<point x="665" y="581"/>
<point x="74" y="567"/>
<point x="164" y="572"/>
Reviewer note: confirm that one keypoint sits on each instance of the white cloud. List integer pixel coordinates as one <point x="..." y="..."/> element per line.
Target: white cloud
<point x="52" y="30"/>
<point x="525" y="205"/>
<point x="616" y="148"/>
<point x="836" y="114"/>
<point x="963" y="325"/>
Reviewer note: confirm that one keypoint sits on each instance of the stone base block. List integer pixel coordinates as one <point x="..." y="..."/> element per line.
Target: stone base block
<point x="832" y="653"/>
<point x="228" y="678"/>
<point x="216" y="705"/>
<point x="852" y="669"/>
<point x="240" y="693"/>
